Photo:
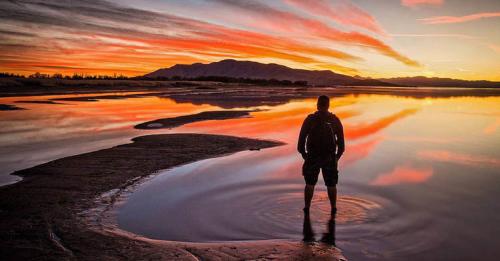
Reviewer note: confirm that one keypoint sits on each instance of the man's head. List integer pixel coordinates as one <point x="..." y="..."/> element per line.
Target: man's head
<point x="323" y="103"/>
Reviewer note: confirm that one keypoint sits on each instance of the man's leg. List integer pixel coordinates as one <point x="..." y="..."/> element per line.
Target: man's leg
<point x="308" y="195"/>
<point x="310" y="172"/>
<point x="331" y="177"/>
<point x="307" y="229"/>
<point x="332" y="195"/>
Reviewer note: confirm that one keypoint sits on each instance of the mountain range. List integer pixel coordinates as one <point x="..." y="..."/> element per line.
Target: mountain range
<point x="254" y="70"/>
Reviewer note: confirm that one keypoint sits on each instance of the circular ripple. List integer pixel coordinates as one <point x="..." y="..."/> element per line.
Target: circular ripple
<point x="247" y="211"/>
<point x="181" y="210"/>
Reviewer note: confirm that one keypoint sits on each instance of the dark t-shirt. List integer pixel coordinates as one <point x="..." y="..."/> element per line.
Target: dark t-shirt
<point x="309" y="123"/>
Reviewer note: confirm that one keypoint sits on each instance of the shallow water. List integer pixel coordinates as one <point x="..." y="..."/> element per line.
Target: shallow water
<point x="45" y="132"/>
<point x="419" y="178"/>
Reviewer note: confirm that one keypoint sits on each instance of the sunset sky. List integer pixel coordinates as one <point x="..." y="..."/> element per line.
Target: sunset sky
<point x="375" y="38"/>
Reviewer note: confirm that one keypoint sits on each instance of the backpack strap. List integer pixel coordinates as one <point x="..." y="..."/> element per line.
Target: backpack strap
<point x="316" y="120"/>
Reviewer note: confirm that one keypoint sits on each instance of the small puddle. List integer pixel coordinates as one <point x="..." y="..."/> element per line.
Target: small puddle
<point x="227" y="199"/>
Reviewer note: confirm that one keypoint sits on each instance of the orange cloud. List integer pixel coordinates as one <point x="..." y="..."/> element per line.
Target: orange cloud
<point x="458" y="158"/>
<point x="458" y="19"/>
<point x="414" y="3"/>
<point x="105" y="42"/>
<point x="403" y="174"/>
<point x="267" y="17"/>
<point x="107" y="38"/>
<point x="461" y="36"/>
<point x="343" y="12"/>
<point x="494" y="47"/>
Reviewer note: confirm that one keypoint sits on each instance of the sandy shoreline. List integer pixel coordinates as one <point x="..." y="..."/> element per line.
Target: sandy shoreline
<point x="186" y="119"/>
<point x="41" y="216"/>
<point x="39" y="87"/>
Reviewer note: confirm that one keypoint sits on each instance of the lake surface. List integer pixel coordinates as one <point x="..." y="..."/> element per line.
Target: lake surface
<point x="419" y="179"/>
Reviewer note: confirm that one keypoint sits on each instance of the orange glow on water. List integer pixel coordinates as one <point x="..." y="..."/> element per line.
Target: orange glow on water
<point x="374" y="125"/>
<point x="403" y="174"/>
<point x="459" y="158"/>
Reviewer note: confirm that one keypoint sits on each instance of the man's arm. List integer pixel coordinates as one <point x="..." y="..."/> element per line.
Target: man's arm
<point x="304" y="131"/>
<point x="340" y="139"/>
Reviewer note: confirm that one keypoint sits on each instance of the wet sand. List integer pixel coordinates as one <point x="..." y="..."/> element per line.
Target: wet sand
<point x="28" y="87"/>
<point x="202" y="116"/>
<point x="41" y="216"/>
<point x="40" y="102"/>
<point x="8" y="107"/>
<point x="10" y="87"/>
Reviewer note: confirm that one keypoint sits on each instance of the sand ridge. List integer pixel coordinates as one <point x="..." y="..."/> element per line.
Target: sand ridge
<point x="40" y="215"/>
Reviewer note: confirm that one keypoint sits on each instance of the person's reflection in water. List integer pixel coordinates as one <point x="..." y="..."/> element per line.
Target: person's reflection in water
<point x="329" y="236"/>
<point x="307" y="229"/>
<point x="308" y="232"/>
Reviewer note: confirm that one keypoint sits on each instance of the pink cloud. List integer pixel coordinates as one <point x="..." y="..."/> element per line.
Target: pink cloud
<point x="458" y="158"/>
<point x="88" y="47"/>
<point x="403" y="174"/>
<point x="414" y="3"/>
<point x="461" y="36"/>
<point x="343" y="12"/>
<point x="269" y="18"/>
<point x="494" y="47"/>
<point x="458" y="19"/>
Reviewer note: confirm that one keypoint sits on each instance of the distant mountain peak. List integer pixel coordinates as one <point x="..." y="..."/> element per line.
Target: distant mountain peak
<point x="424" y="81"/>
<point x="255" y="70"/>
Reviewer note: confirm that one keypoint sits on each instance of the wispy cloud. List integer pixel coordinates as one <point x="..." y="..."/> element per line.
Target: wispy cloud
<point x="494" y="47"/>
<point x="458" y="19"/>
<point x="268" y="17"/>
<point x="90" y="36"/>
<point x="462" y="36"/>
<point x="86" y="36"/>
<point x="414" y="3"/>
<point x="341" y="11"/>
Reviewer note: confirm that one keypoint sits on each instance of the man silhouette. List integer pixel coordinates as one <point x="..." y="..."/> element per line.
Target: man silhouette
<point x="321" y="144"/>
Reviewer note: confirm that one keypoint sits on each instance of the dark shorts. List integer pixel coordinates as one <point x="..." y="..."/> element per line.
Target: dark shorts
<point x="328" y="166"/>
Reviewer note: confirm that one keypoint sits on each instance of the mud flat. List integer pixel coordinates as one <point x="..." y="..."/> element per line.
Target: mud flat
<point x="8" y="107"/>
<point x="202" y="116"/>
<point x="39" y="102"/>
<point x="41" y="216"/>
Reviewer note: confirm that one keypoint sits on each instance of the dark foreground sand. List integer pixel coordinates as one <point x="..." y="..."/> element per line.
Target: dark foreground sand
<point x="7" y="107"/>
<point x="181" y="120"/>
<point x="40" y="217"/>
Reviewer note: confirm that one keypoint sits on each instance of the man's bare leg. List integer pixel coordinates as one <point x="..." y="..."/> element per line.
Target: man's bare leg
<point x="332" y="195"/>
<point x="308" y="195"/>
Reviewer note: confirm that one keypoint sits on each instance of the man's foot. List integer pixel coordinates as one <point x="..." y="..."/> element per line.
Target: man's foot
<point x="309" y="239"/>
<point x="328" y="239"/>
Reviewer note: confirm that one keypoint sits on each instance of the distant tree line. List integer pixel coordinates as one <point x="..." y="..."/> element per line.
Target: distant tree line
<point x="75" y="76"/>
<point x="223" y="79"/>
<point x="10" y="75"/>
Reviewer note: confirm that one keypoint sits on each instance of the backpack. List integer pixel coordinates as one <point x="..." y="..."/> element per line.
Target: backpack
<point x="321" y="139"/>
